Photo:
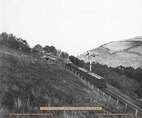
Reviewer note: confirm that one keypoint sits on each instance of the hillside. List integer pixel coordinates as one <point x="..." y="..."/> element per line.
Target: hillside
<point x="124" y="83"/>
<point x="125" y="52"/>
<point x="31" y="82"/>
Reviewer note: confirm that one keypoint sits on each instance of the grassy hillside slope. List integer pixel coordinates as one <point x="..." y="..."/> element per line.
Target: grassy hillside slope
<point x="27" y="83"/>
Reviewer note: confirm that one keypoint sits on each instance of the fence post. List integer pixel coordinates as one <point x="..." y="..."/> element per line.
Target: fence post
<point x="117" y="101"/>
<point x="125" y="106"/>
<point x="103" y="93"/>
<point x="109" y="98"/>
<point x="98" y="89"/>
<point x="136" y="112"/>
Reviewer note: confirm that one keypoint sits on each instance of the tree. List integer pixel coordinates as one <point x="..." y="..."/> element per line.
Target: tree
<point x="76" y="61"/>
<point x="47" y="48"/>
<point x="53" y="50"/>
<point x="11" y="41"/>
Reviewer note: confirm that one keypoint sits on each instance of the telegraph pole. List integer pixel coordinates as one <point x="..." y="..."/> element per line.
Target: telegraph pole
<point x="90" y="65"/>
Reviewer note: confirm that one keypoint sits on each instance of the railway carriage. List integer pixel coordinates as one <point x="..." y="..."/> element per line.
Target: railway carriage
<point x="93" y="78"/>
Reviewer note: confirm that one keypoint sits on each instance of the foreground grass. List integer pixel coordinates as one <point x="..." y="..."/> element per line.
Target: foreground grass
<point x="27" y="83"/>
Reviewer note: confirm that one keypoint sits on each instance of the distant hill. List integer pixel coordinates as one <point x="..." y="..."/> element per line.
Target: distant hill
<point x="125" y="52"/>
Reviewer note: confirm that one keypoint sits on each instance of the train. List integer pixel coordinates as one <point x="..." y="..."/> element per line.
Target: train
<point x="94" y="79"/>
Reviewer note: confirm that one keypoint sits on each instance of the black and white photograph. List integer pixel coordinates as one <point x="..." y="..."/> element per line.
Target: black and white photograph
<point x="70" y="58"/>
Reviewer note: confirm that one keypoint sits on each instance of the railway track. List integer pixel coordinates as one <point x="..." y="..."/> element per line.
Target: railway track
<point x="131" y="106"/>
<point x="137" y="103"/>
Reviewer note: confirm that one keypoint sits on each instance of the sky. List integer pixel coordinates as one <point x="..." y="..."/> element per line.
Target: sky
<point x="74" y="26"/>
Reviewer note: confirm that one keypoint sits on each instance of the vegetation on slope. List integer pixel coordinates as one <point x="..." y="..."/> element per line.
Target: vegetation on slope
<point x="133" y="74"/>
<point x="27" y="83"/>
<point x="125" y="84"/>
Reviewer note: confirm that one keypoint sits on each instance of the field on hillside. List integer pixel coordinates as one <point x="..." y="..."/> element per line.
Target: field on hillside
<point x="137" y="50"/>
<point x="120" y="46"/>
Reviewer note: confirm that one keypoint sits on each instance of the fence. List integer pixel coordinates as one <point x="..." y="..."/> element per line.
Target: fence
<point x="104" y="93"/>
